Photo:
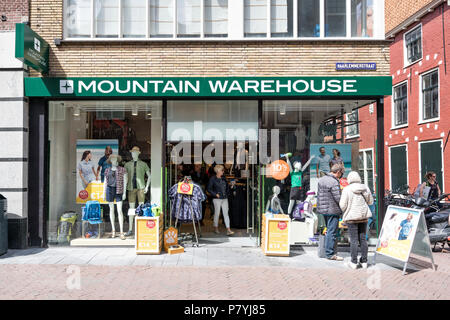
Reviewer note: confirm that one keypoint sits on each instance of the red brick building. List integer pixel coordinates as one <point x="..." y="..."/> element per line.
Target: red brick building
<point x="417" y="122"/>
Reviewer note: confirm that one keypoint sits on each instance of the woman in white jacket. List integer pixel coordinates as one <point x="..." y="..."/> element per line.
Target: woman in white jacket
<point x="355" y="201"/>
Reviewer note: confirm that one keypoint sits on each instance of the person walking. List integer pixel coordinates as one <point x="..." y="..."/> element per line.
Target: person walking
<point x="354" y="203"/>
<point x="328" y="197"/>
<point x="218" y="188"/>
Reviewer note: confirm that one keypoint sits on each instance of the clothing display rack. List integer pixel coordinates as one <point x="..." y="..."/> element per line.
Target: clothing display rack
<point x="181" y="199"/>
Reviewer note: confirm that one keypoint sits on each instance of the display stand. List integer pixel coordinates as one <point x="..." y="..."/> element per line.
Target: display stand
<point x="189" y="197"/>
<point x="149" y="235"/>
<point x="275" y="235"/>
<point x="420" y="246"/>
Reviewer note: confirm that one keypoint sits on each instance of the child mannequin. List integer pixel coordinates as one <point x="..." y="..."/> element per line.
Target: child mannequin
<point x="273" y="204"/>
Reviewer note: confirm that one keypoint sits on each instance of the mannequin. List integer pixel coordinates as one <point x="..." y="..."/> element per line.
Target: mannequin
<point x="296" y="181"/>
<point x="115" y="182"/>
<point x="274" y="204"/>
<point x="136" y="185"/>
<point x="311" y="218"/>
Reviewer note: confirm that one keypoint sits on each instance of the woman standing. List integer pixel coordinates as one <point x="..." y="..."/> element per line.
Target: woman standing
<point x="218" y="188"/>
<point x="86" y="169"/>
<point x="336" y="158"/>
<point x="431" y="182"/>
<point x="355" y="201"/>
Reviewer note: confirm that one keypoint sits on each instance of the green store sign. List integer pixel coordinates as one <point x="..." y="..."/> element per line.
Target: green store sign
<point x="31" y="49"/>
<point x="208" y="87"/>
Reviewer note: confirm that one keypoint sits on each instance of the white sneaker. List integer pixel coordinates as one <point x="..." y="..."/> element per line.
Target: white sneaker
<point x="352" y="265"/>
<point x="364" y="265"/>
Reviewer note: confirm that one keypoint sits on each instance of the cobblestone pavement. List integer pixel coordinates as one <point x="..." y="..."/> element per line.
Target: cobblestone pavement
<point x="211" y="274"/>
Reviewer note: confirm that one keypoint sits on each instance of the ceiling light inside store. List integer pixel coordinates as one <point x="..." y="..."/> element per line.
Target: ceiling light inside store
<point x="134" y="111"/>
<point x="283" y="110"/>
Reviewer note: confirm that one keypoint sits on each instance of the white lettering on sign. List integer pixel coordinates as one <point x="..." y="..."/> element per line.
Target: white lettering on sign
<point x="218" y="86"/>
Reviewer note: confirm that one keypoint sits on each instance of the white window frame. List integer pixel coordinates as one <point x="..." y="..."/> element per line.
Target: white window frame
<point x="407" y="164"/>
<point x="236" y="25"/>
<point x="393" y="126"/>
<point x="406" y="63"/>
<point x="347" y="136"/>
<point x="364" y="151"/>
<point x="421" y="120"/>
<point x="442" y="160"/>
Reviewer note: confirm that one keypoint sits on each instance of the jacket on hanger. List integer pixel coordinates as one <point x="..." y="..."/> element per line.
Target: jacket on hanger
<point x="184" y="213"/>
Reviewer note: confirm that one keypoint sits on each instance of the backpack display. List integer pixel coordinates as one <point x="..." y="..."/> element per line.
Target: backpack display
<point x="66" y="227"/>
<point x="92" y="212"/>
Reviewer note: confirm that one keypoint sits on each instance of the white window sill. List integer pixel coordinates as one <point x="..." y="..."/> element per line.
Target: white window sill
<point x="352" y="137"/>
<point x="220" y="39"/>
<point x="429" y="120"/>
<point x="400" y="126"/>
<point x="412" y="63"/>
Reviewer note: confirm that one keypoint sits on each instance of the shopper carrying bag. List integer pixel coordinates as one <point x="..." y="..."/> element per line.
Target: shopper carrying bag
<point x="355" y="201"/>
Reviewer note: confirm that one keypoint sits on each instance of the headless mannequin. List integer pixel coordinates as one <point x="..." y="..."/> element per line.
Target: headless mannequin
<point x="114" y="165"/>
<point x="132" y="210"/>
<point x="297" y="168"/>
<point x="274" y="204"/>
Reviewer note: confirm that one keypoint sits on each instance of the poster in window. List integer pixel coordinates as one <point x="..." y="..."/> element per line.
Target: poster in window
<point x="90" y="186"/>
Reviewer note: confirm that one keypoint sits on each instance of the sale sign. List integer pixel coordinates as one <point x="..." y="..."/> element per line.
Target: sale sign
<point x="277" y="236"/>
<point x="185" y="188"/>
<point x="147" y="234"/>
<point x="278" y="170"/>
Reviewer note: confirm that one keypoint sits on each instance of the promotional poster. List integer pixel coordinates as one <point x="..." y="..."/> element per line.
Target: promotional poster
<point x="326" y="154"/>
<point x="398" y="232"/>
<point x="90" y="186"/>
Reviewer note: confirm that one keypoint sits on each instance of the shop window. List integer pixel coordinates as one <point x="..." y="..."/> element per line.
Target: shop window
<point x="216" y="18"/>
<point x="362" y="18"/>
<point x="308" y="18"/>
<point x="161" y="18"/>
<point x="188" y="19"/>
<point x="97" y="126"/>
<point x="430" y="95"/>
<point x="107" y="18"/>
<point x="255" y="18"/>
<point x="281" y="18"/>
<point x="413" y="45"/>
<point x="400" y="105"/>
<point x="431" y="157"/>
<point x="335" y="18"/>
<point x="134" y="18"/>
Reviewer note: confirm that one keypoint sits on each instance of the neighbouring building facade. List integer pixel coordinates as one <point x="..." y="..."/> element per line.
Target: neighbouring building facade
<point x="417" y="125"/>
<point x="184" y="80"/>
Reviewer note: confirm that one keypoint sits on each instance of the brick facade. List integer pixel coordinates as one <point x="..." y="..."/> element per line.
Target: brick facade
<point x="397" y="11"/>
<point x="16" y="11"/>
<point x="433" y="58"/>
<point x="196" y="58"/>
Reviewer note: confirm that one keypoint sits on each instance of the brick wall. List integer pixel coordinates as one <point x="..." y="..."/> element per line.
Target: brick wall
<point x="397" y="11"/>
<point x="198" y="58"/>
<point x="16" y="11"/>
<point x="415" y="132"/>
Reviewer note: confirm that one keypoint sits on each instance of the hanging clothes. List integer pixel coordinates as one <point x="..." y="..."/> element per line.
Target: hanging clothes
<point x="184" y="213"/>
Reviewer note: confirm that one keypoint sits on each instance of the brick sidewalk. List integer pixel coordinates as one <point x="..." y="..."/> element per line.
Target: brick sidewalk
<point x="54" y="281"/>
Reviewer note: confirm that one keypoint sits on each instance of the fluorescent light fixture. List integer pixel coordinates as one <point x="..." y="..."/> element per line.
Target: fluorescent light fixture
<point x="283" y="110"/>
<point x="134" y="111"/>
<point x="76" y="111"/>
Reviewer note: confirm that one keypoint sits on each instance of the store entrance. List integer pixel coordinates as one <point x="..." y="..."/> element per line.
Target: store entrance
<point x="199" y="162"/>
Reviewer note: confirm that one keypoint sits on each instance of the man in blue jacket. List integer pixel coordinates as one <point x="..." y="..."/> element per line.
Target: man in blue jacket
<point x="328" y="196"/>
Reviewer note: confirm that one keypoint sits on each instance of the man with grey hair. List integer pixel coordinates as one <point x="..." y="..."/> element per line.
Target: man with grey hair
<point x="328" y="197"/>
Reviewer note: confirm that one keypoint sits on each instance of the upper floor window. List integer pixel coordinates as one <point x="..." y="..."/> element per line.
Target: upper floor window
<point x="430" y="95"/>
<point x="400" y="104"/>
<point x="223" y="19"/>
<point x="413" y="45"/>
